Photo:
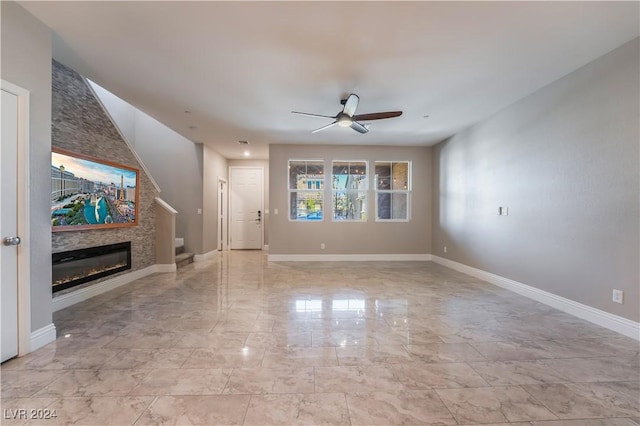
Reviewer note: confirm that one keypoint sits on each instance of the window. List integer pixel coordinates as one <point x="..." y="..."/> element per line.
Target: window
<point x="306" y="190"/>
<point x="393" y="190"/>
<point x="349" y="190"/>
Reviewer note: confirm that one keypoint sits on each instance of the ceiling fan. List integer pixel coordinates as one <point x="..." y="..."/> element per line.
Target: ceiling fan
<point x="347" y="117"/>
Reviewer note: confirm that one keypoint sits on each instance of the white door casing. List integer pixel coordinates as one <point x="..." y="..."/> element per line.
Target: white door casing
<point x="223" y="223"/>
<point x="15" y="309"/>
<point x="246" y="204"/>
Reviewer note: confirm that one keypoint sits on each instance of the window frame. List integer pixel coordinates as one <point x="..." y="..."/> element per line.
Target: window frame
<point x="407" y="191"/>
<point x="311" y="190"/>
<point x="354" y="191"/>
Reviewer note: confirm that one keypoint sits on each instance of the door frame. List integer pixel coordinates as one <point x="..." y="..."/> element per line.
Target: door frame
<point x="24" y="218"/>
<point x="261" y="168"/>
<point x="223" y="214"/>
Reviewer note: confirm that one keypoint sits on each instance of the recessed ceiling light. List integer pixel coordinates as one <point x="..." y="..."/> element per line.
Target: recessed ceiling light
<point x="243" y="142"/>
<point x="246" y="153"/>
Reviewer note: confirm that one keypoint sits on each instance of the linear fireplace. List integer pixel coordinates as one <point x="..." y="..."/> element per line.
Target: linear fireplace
<point x="75" y="267"/>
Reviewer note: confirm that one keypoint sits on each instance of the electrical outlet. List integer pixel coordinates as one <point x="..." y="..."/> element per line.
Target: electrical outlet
<point x="321" y="246"/>
<point x="444" y="249"/>
<point x="618" y="296"/>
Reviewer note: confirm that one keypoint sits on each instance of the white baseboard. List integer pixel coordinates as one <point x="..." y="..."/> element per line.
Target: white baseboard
<point x="42" y="337"/>
<point x="166" y="267"/>
<point x="346" y="257"/>
<point x="265" y="247"/>
<point x="205" y="256"/>
<point x="605" y="319"/>
<point x="68" y="299"/>
<point x="179" y="242"/>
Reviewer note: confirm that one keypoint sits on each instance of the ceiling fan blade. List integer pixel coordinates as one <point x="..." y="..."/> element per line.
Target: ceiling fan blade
<point x="325" y="127"/>
<point x="350" y="105"/>
<point x="377" y="115"/>
<point x="359" y="127"/>
<point x="313" y="115"/>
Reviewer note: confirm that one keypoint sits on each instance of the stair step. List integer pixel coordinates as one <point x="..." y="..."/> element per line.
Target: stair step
<point x="179" y="249"/>
<point x="184" y="259"/>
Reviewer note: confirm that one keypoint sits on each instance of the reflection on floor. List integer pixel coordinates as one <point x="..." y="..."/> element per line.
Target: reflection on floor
<point x="239" y="340"/>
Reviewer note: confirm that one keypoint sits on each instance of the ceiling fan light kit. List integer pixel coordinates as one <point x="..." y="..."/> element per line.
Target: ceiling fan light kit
<point x="348" y="118"/>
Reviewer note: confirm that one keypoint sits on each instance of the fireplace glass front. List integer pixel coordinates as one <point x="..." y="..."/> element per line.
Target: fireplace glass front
<point x="75" y="267"/>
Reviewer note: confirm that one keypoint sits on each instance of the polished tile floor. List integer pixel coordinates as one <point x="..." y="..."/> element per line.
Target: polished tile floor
<point x="239" y="340"/>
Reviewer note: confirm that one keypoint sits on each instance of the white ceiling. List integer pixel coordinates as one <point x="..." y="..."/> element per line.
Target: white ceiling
<point x="242" y="67"/>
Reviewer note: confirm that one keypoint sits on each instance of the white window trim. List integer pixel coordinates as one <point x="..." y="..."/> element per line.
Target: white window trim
<point x="407" y="191"/>
<point x="322" y="190"/>
<point x="366" y="190"/>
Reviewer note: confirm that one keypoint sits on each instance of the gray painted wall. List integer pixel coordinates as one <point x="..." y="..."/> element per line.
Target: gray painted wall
<point x="176" y="165"/>
<point x="79" y="124"/>
<point x="186" y="172"/>
<point x="26" y="62"/>
<point x="564" y="161"/>
<point x="413" y="237"/>
<point x="173" y="160"/>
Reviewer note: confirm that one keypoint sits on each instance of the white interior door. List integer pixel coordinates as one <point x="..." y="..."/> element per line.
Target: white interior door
<point x="247" y="212"/>
<point x="9" y="226"/>
<point x="223" y="223"/>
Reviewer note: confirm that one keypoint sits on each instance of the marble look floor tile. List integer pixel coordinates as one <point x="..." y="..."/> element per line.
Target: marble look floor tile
<point x="94" y="383"/>
<point x="342" y="338"/>
<point x="298" y="409"/>
<point x="459" y="335"/>
<point x="589" y="400"/>
<point x="244" y="325"/>
<point x="372" y="355"/>
<point x="76" y="341"/>
<point x="196" y="410"/>
<point x="145" y="339"/>
<point x="275" y="339"/>
<point x="245" y="357"/>
<point x="512" y="351"/>
<point x="25" y="383"/>
<point x="597" y="347"/>
<point x="271" y="380"/>
<point x="212" y="340"/>
<point x="356" y="379"/>
<point x="183" y="381"/>
<point x="148" y="358"/>
<point x="587" y="422"/>
<point x="421" y="407"/>
<point x="421" y="375"/>
<point x="52" y="358"/>
<point x="444" y="352"/>
<point x="116" y="411"/>
<point x="299" y="357"/>
<point x="607" y="369"/>
<point x="496" y="404"/>
<point x="500" y="373"/>
<point x="406" y="337"/>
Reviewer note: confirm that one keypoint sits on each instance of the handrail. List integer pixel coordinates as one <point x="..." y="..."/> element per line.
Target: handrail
<point x="166" y="206"/>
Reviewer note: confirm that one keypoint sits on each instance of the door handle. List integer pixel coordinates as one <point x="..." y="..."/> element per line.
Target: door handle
<point x="11" y="241"/>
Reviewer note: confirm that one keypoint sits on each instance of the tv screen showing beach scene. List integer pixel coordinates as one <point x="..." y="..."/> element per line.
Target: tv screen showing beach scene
<point x="88" y="193"/>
